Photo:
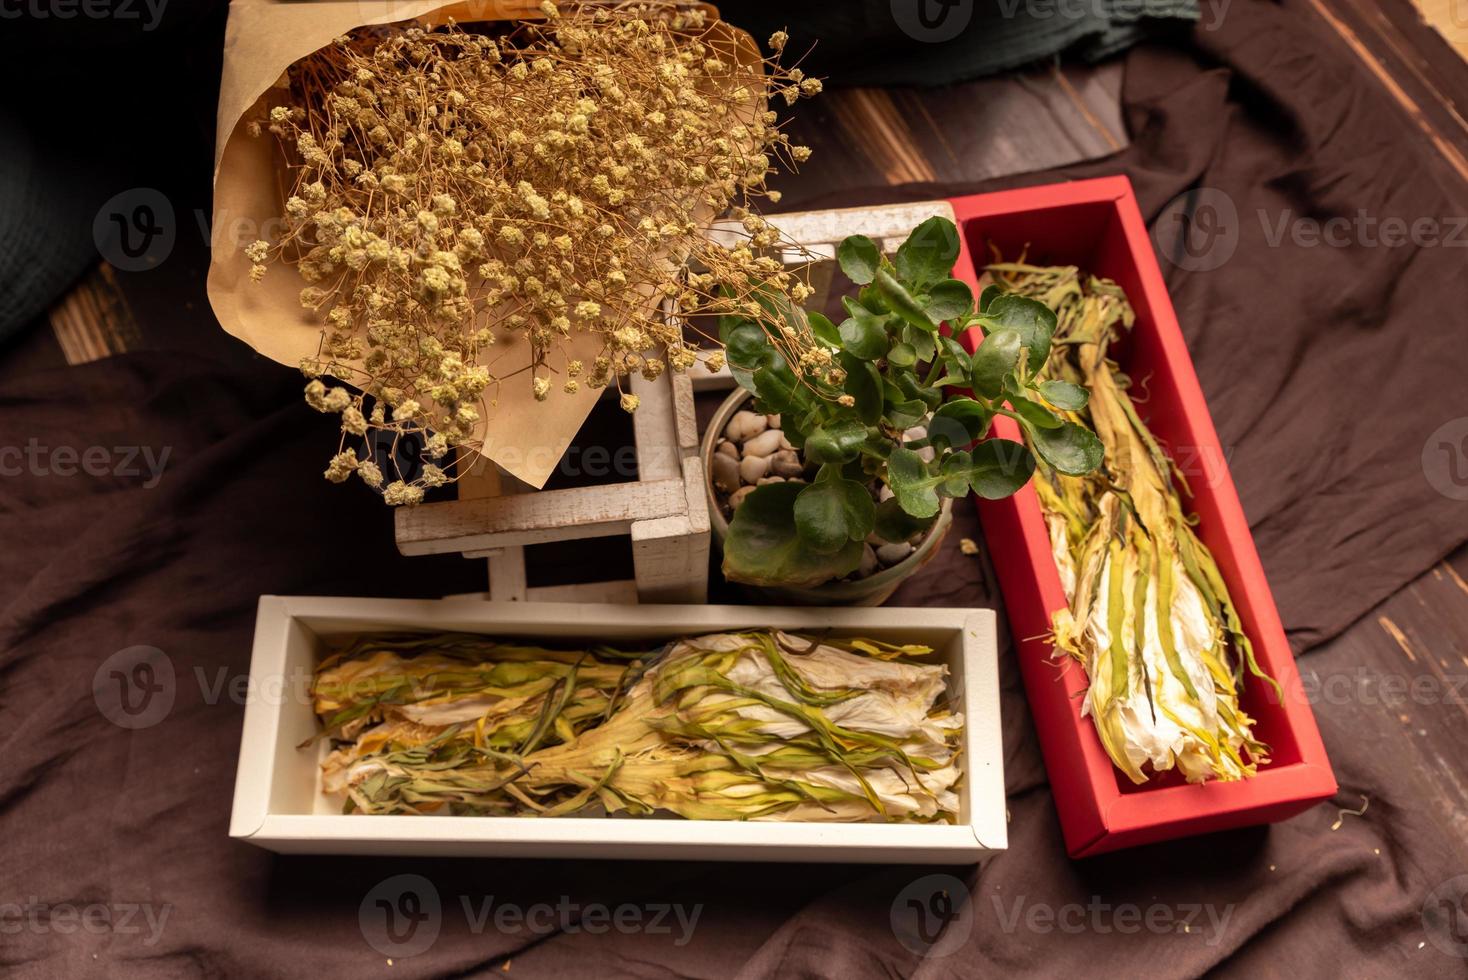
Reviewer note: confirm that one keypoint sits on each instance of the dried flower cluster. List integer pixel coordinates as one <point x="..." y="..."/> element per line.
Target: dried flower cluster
<point x="454" y="191"/>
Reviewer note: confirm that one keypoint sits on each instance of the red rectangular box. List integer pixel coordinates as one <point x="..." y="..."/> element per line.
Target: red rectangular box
<point x="1096" y="225"/>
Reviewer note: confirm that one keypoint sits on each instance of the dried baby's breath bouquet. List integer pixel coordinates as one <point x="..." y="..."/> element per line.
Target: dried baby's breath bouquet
<point x="455" y="193"/>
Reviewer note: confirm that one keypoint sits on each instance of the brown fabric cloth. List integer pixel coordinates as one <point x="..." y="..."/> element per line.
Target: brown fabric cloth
<point x="1326" y="368"/>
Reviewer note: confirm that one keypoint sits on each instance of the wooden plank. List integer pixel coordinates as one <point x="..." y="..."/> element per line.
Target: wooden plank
<point x="1037" y="119"/>
<point x="1398" y="680"/>
<point x="507" y="580"/>
<point x="549" y="515"/>
<point x="827" y="227"/>
<point x="654" y="427"/>
<point x="93" y="320"/>
<point x="670" y="555"/>
<point x="1430" y="90"/>
<point x="622" y="591"/>
<point x="685" y="419"/>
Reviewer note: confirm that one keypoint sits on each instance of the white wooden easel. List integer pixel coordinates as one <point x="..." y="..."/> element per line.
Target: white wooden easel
<point x="663" y="511"/>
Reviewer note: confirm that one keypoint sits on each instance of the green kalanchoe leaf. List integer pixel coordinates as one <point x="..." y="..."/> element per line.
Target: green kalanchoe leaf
<point x="832" y="512"/>
<point x="902" y="302"/>
<point x="896" y="525"/>
<point x="924" y="344"/>
<point x="835" y="442"/>
<point x="988" y="296"/>
<point x="906" y="414"/>
<point x="911" y="484"/>
<point x="864" y="384"/>
<point x="1072" y="449"/>
<point x="956" y="470"/>
<point x="775" y="384"/>
<point x="949" y="299"/>
<point x="764" y="546"/>
<point x="908" y="384"/>
<point x="999" y="467"/>
<point x="994" y="361"/>
<point x="859" y="258"/>
<point x="1031" y="319"/>
<point x="1064" y="395"/>
<point x="795" y="424"/>
<point x="929" y="252"/>
<point x="745" y="346"/>
<point x="864" y="333"/>
<point x="1034" y="413"/>
<point x="902" y="355"/>
<point x="953" y="351"/>
<point x="958" y="422"/>
<point x="823" y="329"/>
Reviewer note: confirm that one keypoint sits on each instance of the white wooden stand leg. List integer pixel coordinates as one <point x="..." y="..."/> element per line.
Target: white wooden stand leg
<point x="507" y="580"/>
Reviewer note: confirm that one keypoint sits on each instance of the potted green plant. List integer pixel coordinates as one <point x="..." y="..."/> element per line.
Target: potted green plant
<point x="870" y="454"/>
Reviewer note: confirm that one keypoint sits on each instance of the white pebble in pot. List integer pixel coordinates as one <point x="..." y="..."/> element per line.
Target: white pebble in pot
<point x="891" y="554"/>
<point x="726" y="473"/>
<point x="774" y="421"/>
<point x="765" y="443"/>
<point x="745" y="425"/>
<point x="786" y="463"/>
<point x="737" y="497"/>
<point x="868" y="561"/>
<point x="919" y="432"/>
<point x="752" y="468"/>
<point x="727" y="448"/>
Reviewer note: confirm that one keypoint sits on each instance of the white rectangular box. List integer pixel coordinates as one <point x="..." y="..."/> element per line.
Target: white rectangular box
<point x="279" y="805"/>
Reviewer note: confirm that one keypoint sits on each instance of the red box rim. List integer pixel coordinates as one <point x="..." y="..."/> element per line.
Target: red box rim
<point x="1096" y="815"/>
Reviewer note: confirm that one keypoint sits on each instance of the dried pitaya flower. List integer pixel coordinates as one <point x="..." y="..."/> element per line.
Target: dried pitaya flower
<point x="1149" y="615"/>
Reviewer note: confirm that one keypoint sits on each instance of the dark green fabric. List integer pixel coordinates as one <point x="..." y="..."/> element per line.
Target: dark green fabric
<point x="45" y="218"/>
<point x="936" y="42"/>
